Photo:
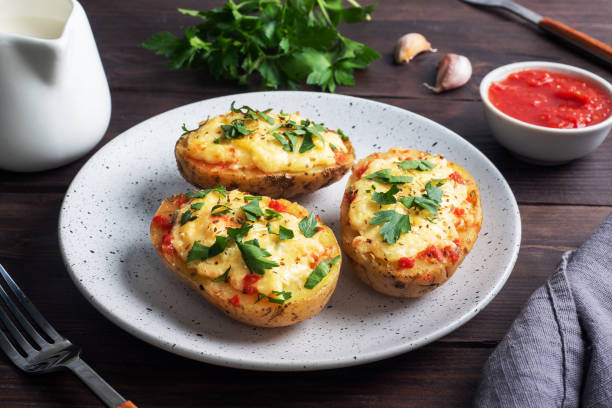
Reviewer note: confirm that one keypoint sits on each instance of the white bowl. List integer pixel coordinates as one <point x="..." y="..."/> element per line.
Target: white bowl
<point x="540" y="144"/>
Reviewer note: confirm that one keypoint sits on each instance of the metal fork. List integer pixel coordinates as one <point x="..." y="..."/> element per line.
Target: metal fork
<point x="42" y="350"/>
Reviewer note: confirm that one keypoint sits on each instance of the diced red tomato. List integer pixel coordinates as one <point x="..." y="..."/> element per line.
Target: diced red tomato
<point x="162" y="222"/>
<point x="277" y="206"/>
<point x="432" y="252"/>
<point x="427" y="277"/>
<point x="182" y="200"/>
<point x="406" y="262"/>
<point x="249" y="283"/>
<point x="456" y="177"/>
<point x="235" y="300"/>
<point x="454" y="256"/>
<point x="341" y="157"/>
<point x="167" y="247"/>
<point x="459" y="212"/>
<point x="359" y="172"/>
<point x="457" y="242"/>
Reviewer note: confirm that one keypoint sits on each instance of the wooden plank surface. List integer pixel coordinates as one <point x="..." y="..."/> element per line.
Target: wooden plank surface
<point x="560" y="207"/>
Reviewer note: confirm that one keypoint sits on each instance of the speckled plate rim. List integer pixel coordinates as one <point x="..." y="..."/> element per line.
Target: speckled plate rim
<point x="282" y="365"/>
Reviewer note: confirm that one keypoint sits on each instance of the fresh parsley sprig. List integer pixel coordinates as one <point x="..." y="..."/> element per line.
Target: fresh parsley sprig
<point x="395" y="224"/>
<point x="282" y="42"/>
<point x="416" y="164"/>
<point x="321" y="271"/>
<point x="385" y="176"/>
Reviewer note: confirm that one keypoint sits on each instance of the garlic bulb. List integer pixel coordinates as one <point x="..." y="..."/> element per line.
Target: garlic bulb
<point x="410" y="45"/>
<point x="453" y="71"/>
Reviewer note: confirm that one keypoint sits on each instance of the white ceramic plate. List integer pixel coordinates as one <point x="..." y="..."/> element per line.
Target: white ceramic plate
<point x="104" y="237"/>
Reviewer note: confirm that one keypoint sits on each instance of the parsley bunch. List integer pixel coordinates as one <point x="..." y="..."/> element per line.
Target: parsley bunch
<point x="284" y="42"/>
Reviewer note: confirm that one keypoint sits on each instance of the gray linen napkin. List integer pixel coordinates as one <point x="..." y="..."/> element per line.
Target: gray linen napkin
<point x="558" y="352"/>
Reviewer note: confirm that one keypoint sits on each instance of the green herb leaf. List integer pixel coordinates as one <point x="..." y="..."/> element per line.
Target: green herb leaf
<point x="427" y="204"/>
<point x="320" y="272"/>
<point x="283" y="232"/>
<point x="283" y="42"/>
<point x="185" y="130"/>
<point x="220" y="209"/>
<point x="421" y="165"/>
<point x="223" y="278"/>
<point x="199" y="252"/>
<point x="388" y="197"/>
<point x="342" y="135"/>
<point x="333" y="147"/>
<point x="307" y="143"/>
<point x="252" y="210"/>
<point x="254" y="256"/>
<point x="187" y="216"/>
<point x="432" y="190"/>
<point x="395" y="224"/>
<point x="282" y="297"/>
<point x="385" y="176"/>
<point x="203" y="193"/>
<point x="271" y="214"/>
<point x="308" y="225"/>
<point x="238" y="233"/>
<point x="197" y="206"/>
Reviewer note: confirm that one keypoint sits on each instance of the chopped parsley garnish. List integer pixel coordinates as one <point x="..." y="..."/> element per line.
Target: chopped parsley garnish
<point x="388" y="197"/>
<point x="430" y="201"/>
<point x="234" y="131"/>
<point x="203" y="193"/>
<point x="187" y="216"/>
<point x="283" y="297"/>
<point x="307" y="144"/>
<point x="432" y="191"/>
<point x="252" y="210"/>
<point x="254" y="256"/>
<point x="185" y="130"/>
<point x="199" y="252"/>
<point x="288" y="140"/>
<point x="342" y="135"/>
<point x="283" y="233"/>
<point x="238" y="233"/>
<point x="320" y="272"/>
<point x="223" y="278"/>
<point x="271" y="214"/>
<point x="385" y="176"/>
<point x="395" y="224"/>
<point x="220" y="209"/>
<point x="197" y="206"/>
<point x="251" y="114"/>
<point x="421" y="165"/>
<point x="333" y="146"/>
<point x="308" y="225"/>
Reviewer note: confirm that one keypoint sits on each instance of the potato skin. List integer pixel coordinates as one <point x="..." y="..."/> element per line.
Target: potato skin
<point x="303" y="304"/>
<point x="283" y="184"/>
<point x="388" y="278"/>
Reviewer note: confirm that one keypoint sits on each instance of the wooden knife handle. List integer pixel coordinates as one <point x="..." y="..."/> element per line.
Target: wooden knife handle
<point x="127" y="404"/>
<point x="584" y="41"/>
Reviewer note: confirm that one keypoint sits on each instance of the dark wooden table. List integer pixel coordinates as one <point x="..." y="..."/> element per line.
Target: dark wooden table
<point x="560" y="207"/>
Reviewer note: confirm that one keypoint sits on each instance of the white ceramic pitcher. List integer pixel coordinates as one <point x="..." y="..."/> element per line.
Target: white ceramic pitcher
<point x="54" y="99"/>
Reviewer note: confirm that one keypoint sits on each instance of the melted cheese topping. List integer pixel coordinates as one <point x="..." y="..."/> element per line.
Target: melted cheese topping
<point x="296" y="257"/>
<point x="441" y="231"/>
<point x="260" y="149"/>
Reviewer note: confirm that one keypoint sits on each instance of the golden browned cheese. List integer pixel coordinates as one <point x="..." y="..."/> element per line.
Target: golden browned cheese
<point x="258" y="162"/>
<point x="276" y="297"/>
<point x="426" y="255"/>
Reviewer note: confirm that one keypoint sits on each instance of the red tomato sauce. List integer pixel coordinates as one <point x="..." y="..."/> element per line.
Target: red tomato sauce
<point x="551" y="99"/>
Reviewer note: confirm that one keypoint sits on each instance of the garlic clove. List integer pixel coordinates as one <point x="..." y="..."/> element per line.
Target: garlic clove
<point x="409" y="45"/>
<point x="454" y="71"/>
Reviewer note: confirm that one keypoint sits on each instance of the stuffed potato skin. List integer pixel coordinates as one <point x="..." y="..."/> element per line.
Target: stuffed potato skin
<point x="426" y="256"/>
<point x="232" y="295"/>
<point x="258" y="162"/>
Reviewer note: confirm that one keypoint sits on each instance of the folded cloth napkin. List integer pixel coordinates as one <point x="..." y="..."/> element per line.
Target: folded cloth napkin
<point x="558" y="352"/>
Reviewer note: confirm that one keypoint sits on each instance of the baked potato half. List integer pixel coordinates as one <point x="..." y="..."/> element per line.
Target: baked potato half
<point x="261" y="261"/>
<point x="408" y="219"/>
<point x="278" y="155"/>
